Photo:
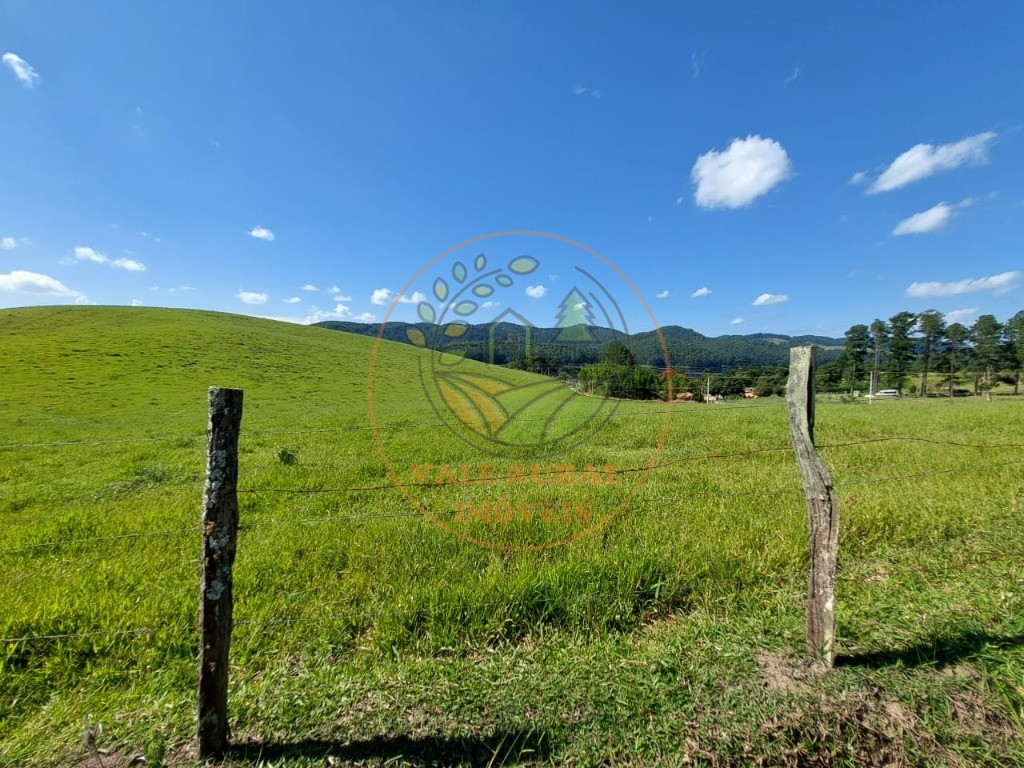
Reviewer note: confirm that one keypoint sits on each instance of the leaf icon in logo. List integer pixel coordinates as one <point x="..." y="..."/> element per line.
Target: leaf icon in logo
<point x="503" y="280"/>
<point x="425" y="311"/>
<point x="483" y="290"/>
<point x="459" y="271"/>
<point x="455" y="330"/>
<point x="416" y="337"/>
<point x="523" y="265"/>
<point x="480" y="262"/>
<point x="440" y="289"/>
<point x="465" y="308"/>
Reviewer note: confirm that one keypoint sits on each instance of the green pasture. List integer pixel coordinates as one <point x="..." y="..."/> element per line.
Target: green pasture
<point x="671" y="633"/>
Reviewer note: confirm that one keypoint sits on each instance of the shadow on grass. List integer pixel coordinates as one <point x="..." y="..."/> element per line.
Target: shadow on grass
<point x="939" y="652"/>
<point x="500" y="748"/>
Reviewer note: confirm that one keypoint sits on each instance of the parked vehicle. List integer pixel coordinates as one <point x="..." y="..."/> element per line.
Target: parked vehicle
<point x="887" y="393"/>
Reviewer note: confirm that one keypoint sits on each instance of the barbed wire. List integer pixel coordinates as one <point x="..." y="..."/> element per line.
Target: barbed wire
<point x="96" y="633"/>
<point x="929" y="473"/>
<point x="736" y="403"/>
<point x="106" y="537"/>
<point x="110" y="441"/>
<point x="683" y="585"/>
<point x="370" y="427"/>
<point x="702" y="495"/>
<point x="627" y="470"/>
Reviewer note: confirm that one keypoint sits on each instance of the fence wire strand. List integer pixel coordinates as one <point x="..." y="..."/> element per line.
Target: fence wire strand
<point x="845" y="567"/>
<point x="678" y="458"/>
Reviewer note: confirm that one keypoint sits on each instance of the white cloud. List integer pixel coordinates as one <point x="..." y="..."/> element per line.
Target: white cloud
<point x="137" y="303"/>
<point x="310" y="287"/>
<point x="702" y="291"/>
<point x="490" y="304"/>
<point x="251" y="297"/>
<point x="365" y="317"/>
<point x="130" y="264"/>
<point x="932" y="220"/>
<point x="8" y="243"/>
<point x="340" y="312"/>
<point x="860" y="177"/>
<point x="88" y="254"/>
<point x="1000" y="283"/>
<point x="582" y="90"/>
<point x="769" y="298"/>
<point x="737" y="176"/>
<point x="661" y="295"/>
<point x="84" y="253"/>
<point x="21" y="69"/>
<point x="261" y="233"/>
<point x="793" y="76"/>
<point x="292" y="300"/>
<point x="923" y="160"/>
<point x="737" y="321"/>
<point x="381" y="296"/>
<point x="32" y="282"/>
<point x="958" y="314"/>
<point x="334" y="290"/>
<point x="536" y="291"/>
<point x="680" y="200"/>
<point x="696" y="62"/>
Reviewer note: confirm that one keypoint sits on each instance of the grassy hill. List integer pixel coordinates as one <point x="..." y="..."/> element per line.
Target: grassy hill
<point x="671" y="635"/>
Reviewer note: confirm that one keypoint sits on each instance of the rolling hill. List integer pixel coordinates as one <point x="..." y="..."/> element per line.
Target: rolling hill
<point x="687" y="349"/>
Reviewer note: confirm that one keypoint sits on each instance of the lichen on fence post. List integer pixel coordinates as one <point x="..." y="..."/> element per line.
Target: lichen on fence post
<point x="220" y="534"/>
<point x="822" y="508"/>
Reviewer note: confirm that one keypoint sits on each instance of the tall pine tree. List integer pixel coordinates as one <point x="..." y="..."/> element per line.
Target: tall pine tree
<point x="931" y="325"/>
<point x="901" y="348"/>
<point x="879" y="341"/>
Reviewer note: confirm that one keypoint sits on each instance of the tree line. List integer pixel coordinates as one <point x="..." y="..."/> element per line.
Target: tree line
<point x="914" y="353"/>
<point x="619" y="374"/>
<point x="909" y="345"/>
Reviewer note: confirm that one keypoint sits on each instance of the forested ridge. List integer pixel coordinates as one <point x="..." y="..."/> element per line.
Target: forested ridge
<point x="555" y="350"/>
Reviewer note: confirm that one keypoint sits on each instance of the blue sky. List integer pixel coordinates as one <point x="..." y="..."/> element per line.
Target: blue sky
<point x="808" y="167"/>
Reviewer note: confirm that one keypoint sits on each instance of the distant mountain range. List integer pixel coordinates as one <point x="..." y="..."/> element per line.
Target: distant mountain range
<point x="569" y="348"/>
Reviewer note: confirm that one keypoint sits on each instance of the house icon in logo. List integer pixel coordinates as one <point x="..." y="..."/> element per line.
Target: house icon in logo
<point x="509" y="338"/>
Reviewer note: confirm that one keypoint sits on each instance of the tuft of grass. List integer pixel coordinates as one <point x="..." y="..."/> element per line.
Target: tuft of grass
<point x="287" y="456"/>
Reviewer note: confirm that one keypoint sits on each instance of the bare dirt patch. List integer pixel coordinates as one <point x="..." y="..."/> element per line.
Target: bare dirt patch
<point x="795" y="676"/>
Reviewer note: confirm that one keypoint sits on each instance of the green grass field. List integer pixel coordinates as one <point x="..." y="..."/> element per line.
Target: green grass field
<point x="670" y="635"/>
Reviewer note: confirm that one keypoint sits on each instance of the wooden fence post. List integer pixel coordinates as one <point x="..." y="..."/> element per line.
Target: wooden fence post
<point x="220" y="532"/>
<point x="822" y="508"/>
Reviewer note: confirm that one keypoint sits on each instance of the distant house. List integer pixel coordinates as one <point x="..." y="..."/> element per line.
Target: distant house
<point x="749" y="393"/>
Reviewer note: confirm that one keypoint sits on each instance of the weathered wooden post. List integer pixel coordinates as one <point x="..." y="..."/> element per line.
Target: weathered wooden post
<point x="220" y="532"/>
<point x="822" y="509"/>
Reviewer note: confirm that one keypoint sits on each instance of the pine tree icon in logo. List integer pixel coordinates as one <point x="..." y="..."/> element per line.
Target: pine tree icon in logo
<point x="574" y="315"/>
